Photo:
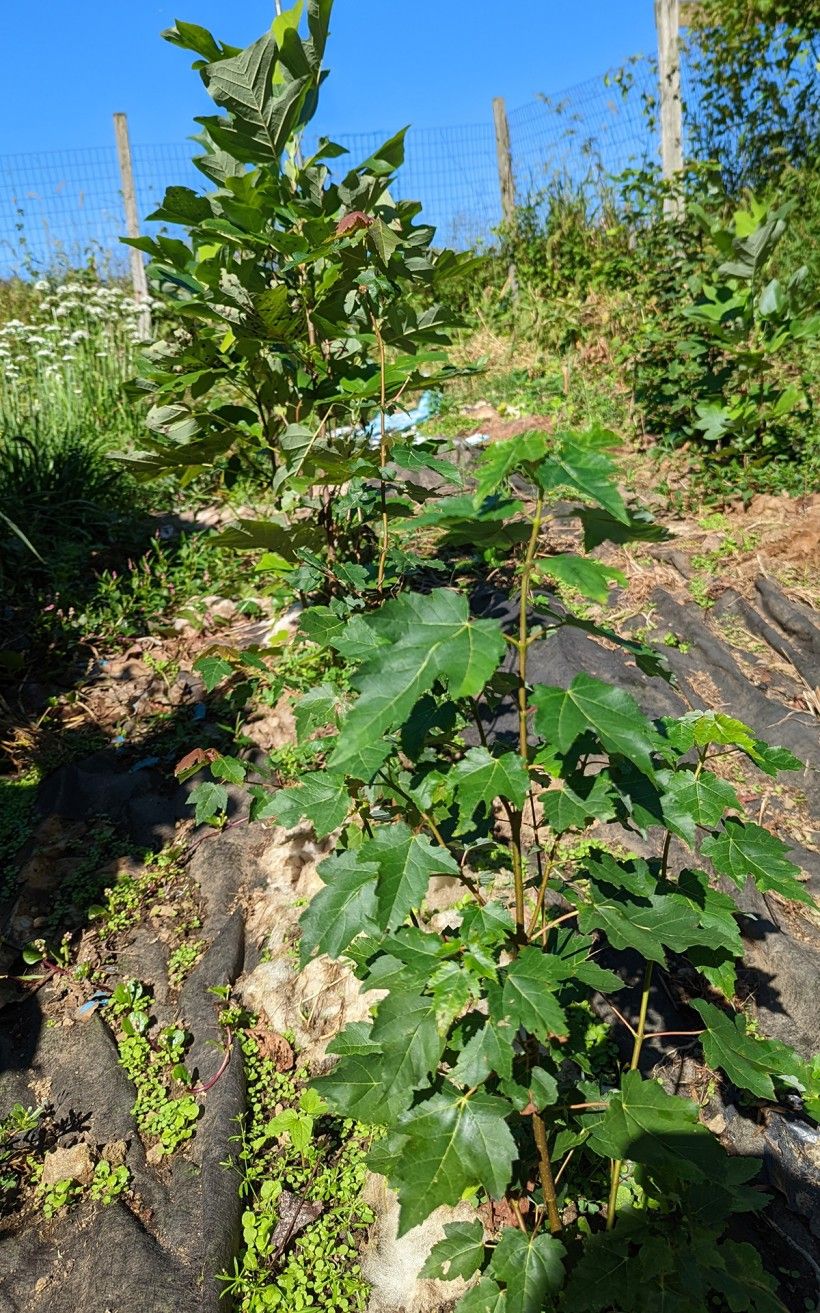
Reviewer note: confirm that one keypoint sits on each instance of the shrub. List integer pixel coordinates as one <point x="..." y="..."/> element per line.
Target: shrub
<point x="483" y="1059"/>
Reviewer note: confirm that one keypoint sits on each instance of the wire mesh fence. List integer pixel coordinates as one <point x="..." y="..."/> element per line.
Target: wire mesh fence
<point x="64" y="207"/>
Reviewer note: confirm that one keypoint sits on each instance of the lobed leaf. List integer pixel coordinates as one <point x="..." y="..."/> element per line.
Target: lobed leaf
<point x="528" y="995"/>
<point x="561" y="715"/>
<point x="479" y="778"/>
<point x="345" y="907"/>
<point x="644" y="1124"/>
<point x="452" y="1142"/>
<point x="428" y="639"/>
<point x="742" y="850"/>
<point x="459" y="1254"/>
<point x="405" y="862"/>
<point x="531" y="1267"/>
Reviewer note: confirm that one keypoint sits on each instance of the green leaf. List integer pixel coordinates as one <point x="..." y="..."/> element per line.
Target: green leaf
<point x="229" y="769"/>
<point x="405" y="862"/>
<point x="565" y="809"/>
<point x="586" y="470"/>
<point x="601" y="527"/>
<point x="430" y="638"/>
<point x="500" y="459"/>
<point x="345" y="908"/>
<point x="743" y="1280"/>
<point x="182" y="205"/>
<point x="493" y="524"/>
<point x="772" y="760"/>
<point x="714" y="909"/>
<point x="479" y="778"/>
<point x="691" y="800"/>
<point x="748" y="1062"/>
<point x="528" y="997"/>
<point x="321" y="798"/>
<point x="716" y="912"/>
<point x="421" y="952"/>
<point x="417" y="458"/>
<point x="266" y="535"/>
<point x="531" y="1267"/>
<point x="209" y="800"/>
<point x="453" y="1142"/>
<point x="602" y="1277"/>
<point x="543" y="1088"/>
<point x="570" y="961"/>
<point x="591" y="579"/>
<point x="702" y="728"/>
<point x="658" y="921"/>
<point x="743" y="850"/>
<point x="190" y="36"/>
<point x="459" y="1254"/>
<point x="355" y="1088"/>
<point x="383" y="239"/>
<point x="632" y="874"/>
<point x="614" y="716"/>
<point x="486" y="1297"/>
<point x="264" y="112"/>
<point x="279" y="321"/>
<point x="427" y="715"/>
<point x="488" y="1052"/>
<point x="213" y="670"/>
<point x="314" y="710"/>
<point x="644" y="1124"/>
<point x="405" y="1030"/>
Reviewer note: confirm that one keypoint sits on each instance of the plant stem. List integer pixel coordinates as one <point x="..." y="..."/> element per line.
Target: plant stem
<point x="545" y="1172"/>
<point x="516" y="1207"/>
<point x="640" y="1035"/>
<point x="542" y="891"/>
<point x="382" y="456"/>
<point x="521" y="646"/>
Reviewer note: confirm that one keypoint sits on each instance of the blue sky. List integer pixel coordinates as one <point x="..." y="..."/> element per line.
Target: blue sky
<point x="70" y="63"/>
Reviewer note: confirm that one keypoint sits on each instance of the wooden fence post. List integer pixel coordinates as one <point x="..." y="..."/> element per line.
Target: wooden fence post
<point x="132" y="227"/>
<point x="506" y="179"/>
<point x="667" y="21"/>
<point x="504" y="156"/>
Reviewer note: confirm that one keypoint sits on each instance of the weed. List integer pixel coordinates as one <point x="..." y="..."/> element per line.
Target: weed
<point x="62" y="1194"/>
<point x="296" y="1150"/>
<point x="732" y="545"/>
<point x="156" y="1069"/>
<point x="17" y="798"/>
<point x="108" y="1182"/>
<point x="183" y="959"/>
<point x="699" y="591"/>
<point x="672" y="640"/>
<point x="16" y="1130"/>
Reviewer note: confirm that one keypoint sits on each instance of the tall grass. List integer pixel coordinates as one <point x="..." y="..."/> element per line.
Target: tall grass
<point x="62" y="371"/>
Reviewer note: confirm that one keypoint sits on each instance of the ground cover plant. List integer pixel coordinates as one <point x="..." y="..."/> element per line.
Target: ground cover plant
<point x="425" y="590"/>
